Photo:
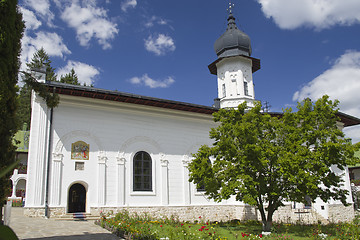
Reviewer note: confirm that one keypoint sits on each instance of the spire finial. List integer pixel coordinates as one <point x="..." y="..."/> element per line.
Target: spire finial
<point x="230" y="8"/>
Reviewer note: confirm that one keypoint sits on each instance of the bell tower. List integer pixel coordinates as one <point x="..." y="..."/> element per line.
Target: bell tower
<point x="234" y="67"/>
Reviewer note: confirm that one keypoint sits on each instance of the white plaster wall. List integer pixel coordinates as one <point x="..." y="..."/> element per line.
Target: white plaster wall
<point x="118" y="130"/>
<point x="346" y="183"/>
<point x="37" y="154"/>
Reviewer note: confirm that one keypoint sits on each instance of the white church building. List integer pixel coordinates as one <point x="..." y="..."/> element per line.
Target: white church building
<point x="102" y="150"/>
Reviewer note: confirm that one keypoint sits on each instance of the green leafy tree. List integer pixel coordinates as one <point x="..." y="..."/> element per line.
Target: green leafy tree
<point x="11" y="30"/>
<point x="264" y="160"/>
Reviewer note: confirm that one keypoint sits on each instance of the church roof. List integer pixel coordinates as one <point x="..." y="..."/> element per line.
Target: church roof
<point x="103" y="94"/>
<point x="233" y="42"/>
<point x="97" y="93"/>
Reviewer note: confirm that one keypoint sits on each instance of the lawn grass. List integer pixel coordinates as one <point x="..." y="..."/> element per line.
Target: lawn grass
<point x="145" y="227"/>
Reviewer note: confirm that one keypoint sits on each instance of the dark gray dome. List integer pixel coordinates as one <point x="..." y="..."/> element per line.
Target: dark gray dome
<point x="233" y="42"/>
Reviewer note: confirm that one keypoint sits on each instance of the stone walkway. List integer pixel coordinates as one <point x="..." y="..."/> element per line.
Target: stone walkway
<point x="51" y="229"/>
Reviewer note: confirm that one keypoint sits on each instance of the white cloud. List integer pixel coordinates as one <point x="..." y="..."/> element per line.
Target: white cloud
<point x="86" y="73"/>
<point x="149" y="82"/>
<point x="90" y="21"/>
<point x="51" y="42"/>
<point x="42" y="8"/>
<point x="291" y="14"/>
<point x="154" y="19"/>
<point x="160" y="44"/>
<point x="125" y="5"/>
<point x="31" y="21"/>
<point x="340" y="82"/>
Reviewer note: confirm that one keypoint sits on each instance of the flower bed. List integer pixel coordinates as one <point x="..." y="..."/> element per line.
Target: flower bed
<point x="145" y="227"/>
<point x="135" y="226"/>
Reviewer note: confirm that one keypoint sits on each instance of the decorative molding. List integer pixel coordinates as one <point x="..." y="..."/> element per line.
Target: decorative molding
<point x="76" y="135"/>
<point x="141" y="139"/>
<point x="102" y="158"/>
<point x="185" y="160"/>
<point x="121" y="160"/>
<point x="164" y="163"/>
<point x="58" y="157"/>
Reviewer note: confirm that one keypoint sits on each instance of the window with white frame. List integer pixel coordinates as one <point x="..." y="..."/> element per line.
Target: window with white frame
<point x="142" y="172"/>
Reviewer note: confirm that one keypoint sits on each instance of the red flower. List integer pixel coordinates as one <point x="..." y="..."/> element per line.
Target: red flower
<point x="202" y="227"/>
<point x="160" y="225"/>
<point x="209" y="234"/>
<point x="200" y="217"/>
<point x="260" y="236"/>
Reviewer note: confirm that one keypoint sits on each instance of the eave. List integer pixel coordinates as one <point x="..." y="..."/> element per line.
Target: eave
<point x="102" y="94"/>
<point x="255" y="64"/>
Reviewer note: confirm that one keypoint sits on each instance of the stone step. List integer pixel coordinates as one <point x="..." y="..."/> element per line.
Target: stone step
<point x="72" y="217"/>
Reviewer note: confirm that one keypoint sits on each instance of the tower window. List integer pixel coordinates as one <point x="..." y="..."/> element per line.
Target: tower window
<point x="142" y="171"/>
<point x="246" y="89"/>
<point x="224" y="90"/>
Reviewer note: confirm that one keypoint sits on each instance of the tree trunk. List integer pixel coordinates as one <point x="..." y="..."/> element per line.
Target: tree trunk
<point x="267" y="225"/>
<point x="266" y="220"/>
<point x="1" y="216"/>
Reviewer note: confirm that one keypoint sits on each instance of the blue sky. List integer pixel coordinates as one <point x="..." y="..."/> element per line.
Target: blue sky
<point x="162" y="48"/>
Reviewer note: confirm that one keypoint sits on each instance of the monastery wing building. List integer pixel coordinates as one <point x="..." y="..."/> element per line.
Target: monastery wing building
<point x="102" y="150"/>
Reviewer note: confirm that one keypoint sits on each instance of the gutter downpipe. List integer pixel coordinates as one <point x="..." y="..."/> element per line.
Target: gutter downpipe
<point x="47" y="213"/>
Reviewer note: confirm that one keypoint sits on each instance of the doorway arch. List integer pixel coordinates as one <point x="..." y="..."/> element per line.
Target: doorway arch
<point x="77" y="198"/>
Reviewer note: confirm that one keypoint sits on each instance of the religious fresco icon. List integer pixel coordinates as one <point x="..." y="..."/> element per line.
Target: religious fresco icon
<point x="80" y="150"/>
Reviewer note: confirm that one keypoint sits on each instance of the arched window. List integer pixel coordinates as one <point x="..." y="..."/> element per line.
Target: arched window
<point x="202" y="184"/>
<point x="142" y="172"/>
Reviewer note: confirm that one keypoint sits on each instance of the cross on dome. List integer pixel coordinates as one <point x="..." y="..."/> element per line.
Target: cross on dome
<point x="231" y="6"/>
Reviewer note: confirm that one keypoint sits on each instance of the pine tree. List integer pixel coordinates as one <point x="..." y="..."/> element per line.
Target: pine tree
<point x="39" y="60"/>
<point x="70" y="78"/>
<point x="11" y="30"/>
<point x="24" y="108"/>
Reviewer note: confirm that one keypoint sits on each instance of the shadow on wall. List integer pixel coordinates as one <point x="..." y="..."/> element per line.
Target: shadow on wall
<point x="249" y="213"/>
